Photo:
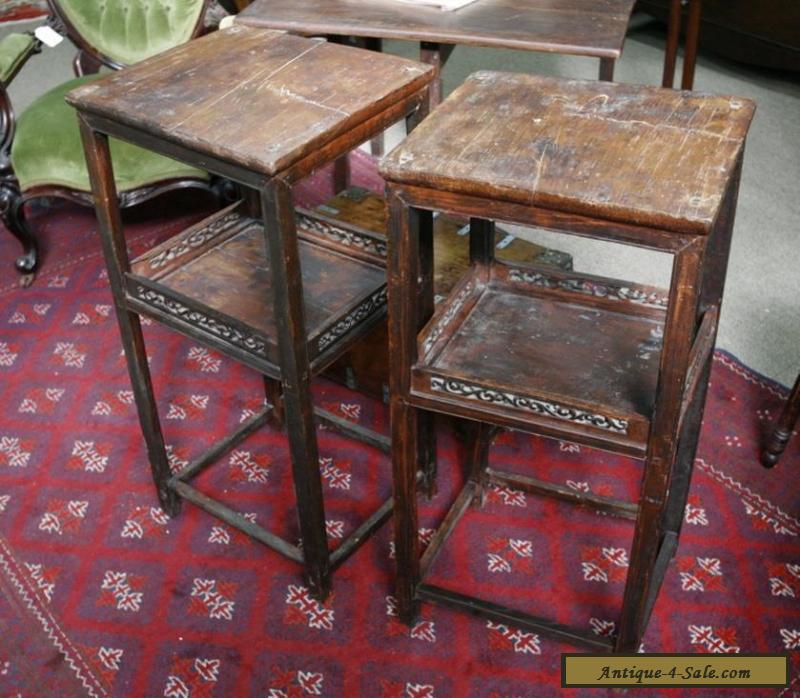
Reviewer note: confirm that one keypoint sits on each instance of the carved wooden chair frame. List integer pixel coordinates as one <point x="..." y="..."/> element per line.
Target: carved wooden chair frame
<point x="88" y="60"/>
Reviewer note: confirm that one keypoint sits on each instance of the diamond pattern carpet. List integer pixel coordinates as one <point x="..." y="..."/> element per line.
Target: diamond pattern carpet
<point x="104" y="595"/>
<point x="19" y="10"/>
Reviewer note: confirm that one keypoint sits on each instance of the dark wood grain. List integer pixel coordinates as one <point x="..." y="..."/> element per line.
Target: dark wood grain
<point x="600" y="362"/>
<point x="286" y="294"/>
<point x="258" y="82"/>
<point x="245" y="281"/>
<point x="98" y="161"/>
<point x="643" y="156"/>
<point x="582" y="27"/>
<point x="230" y="277"/>
<point x="354" y="222"/>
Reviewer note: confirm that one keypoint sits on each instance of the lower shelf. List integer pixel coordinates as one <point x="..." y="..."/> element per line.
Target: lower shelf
<point x="509" y="348"/>
<point x="214" y="281"/>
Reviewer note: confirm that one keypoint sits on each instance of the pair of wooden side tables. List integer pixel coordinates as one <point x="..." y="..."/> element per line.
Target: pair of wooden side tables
<point x="602" y="362"/>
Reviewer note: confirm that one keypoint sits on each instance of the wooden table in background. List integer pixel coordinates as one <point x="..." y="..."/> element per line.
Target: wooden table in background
<point x="673" y="39"/>
<point x="578" y="27"/>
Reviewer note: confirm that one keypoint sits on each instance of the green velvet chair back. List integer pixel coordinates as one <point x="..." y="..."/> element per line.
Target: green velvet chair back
<point x="121" y="32"/>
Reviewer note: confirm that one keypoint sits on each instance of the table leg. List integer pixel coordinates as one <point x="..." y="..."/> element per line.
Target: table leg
<point x="274" y="393"/>
<point x="419" y="114"/>
<point x="426" y="424"/>
<point x="402" y="279"/>
<point x="287" y="288"/>
<point x="341" y="166"/>
<point x="713" y="271"/>
<point x="436" y="55"/>
<point x="341" y="174"/>
<point x="101" y="174"/>
<point x="607" y="69"/>
<point x="673" y="39"/>
<point x="377" y="144"/>
<point x="692" y="41"/>
<point x="481" y="252"/>
<point x="651" y="547"/>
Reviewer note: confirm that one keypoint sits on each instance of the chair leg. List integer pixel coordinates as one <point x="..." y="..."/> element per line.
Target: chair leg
<point x="13" y="215"/>
<point x="783" y="429"/>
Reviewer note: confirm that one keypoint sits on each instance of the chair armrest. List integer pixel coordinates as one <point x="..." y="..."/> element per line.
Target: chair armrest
<point x="15" y="50"/>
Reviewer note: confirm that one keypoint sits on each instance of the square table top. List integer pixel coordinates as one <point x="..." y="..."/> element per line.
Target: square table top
<point x="581" y="27"/>
<point x="628" y="153"/>
<point x="256" y="98"/>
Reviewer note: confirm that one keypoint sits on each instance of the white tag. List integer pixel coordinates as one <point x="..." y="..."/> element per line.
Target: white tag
<point x="48" y="36"/>
<point x="227" y="21"/>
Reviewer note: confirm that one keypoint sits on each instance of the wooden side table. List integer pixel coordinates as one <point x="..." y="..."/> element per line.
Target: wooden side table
<point x="602" y="362"/>
<point x="264" y="109"/>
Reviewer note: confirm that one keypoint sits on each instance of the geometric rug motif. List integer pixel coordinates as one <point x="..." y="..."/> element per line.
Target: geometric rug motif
<point x="20" y="10"/>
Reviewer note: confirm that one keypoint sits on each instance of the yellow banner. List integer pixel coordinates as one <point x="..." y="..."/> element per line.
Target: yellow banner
<point x="682" y="670"/>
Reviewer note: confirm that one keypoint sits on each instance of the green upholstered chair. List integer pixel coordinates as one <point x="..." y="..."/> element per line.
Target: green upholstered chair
<point x="41" y="155"/>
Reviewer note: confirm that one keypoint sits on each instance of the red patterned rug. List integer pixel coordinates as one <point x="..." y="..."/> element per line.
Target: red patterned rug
<point x="19" y="10"/>
<point x="103" y="595"/>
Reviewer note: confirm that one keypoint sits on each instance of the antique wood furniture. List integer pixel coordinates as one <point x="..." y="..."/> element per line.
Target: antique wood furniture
<point x="579" y="27"/>
<point x="786" y="424"/>
<point x="264" y="109"/>
<point x="365" y="367"/>
<point x="764" y="33"/>
<point x="41" y="154"/>
<point x="606" y="363"/>
<point x="673" y="39"/>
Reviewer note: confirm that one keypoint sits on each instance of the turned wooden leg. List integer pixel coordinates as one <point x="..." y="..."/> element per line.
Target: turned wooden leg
<point x="12" y="211"/>
<point x="287" y="289"/>
<point x="776" y="443"/>
<point x="101" y="174"/>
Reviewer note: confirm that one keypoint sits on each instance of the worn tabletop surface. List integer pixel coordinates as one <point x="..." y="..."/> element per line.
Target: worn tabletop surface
<point x="583" y="27"/>
<point x="628" y="153"/>
<point x="258" y="98"/>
